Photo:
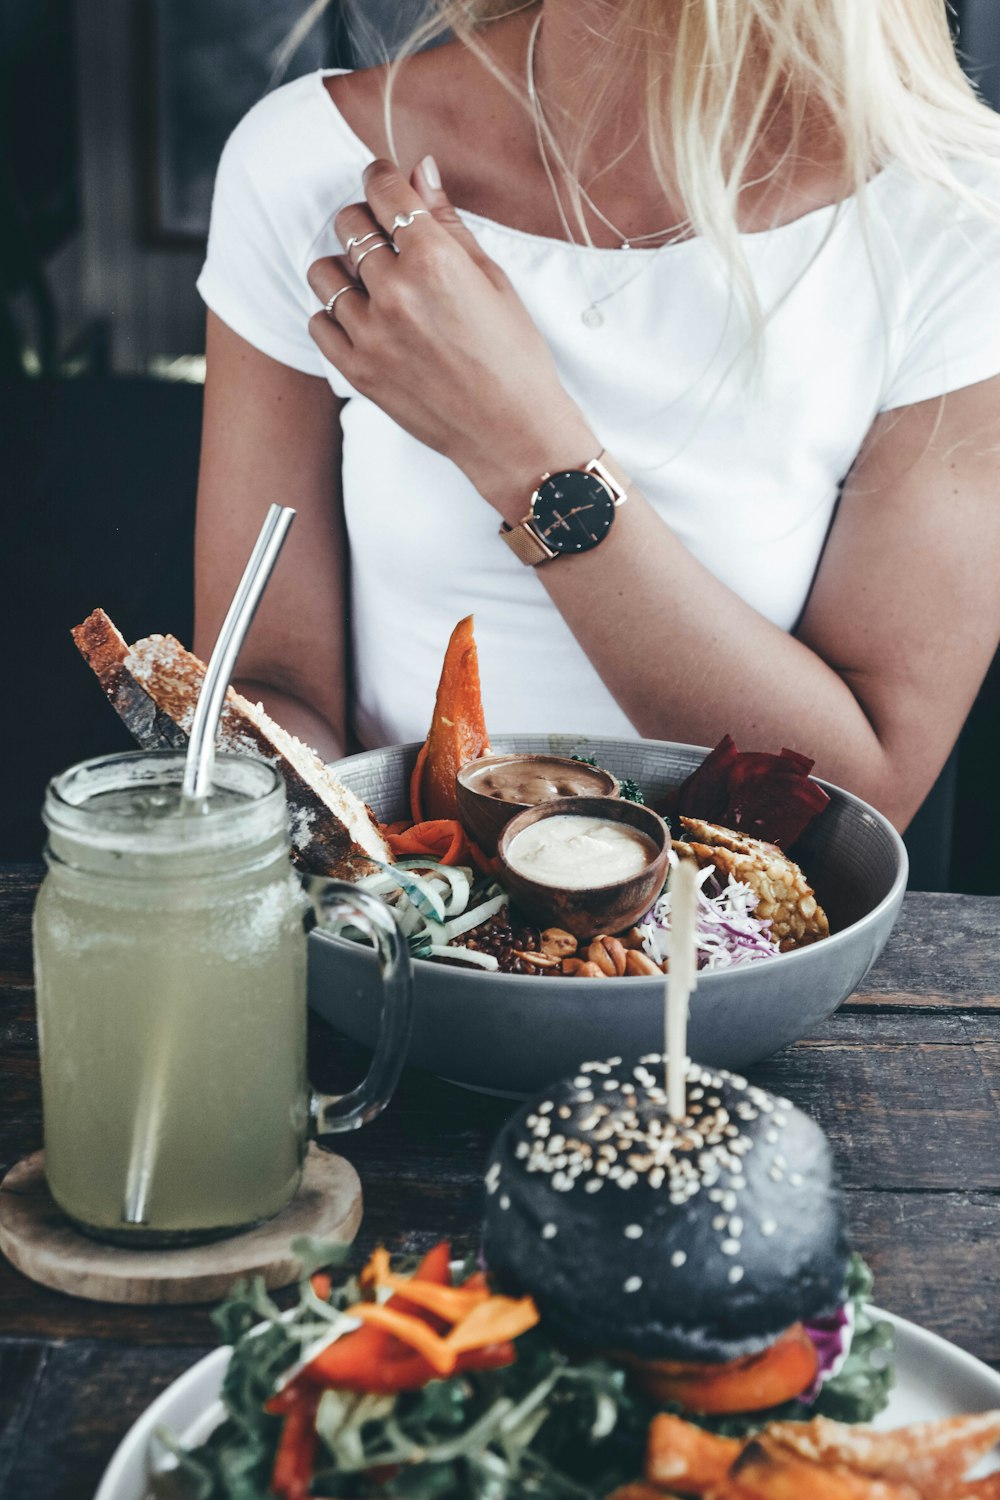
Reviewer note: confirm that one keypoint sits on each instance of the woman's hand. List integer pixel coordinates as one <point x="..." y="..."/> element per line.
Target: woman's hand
<point x="436" y="335"/>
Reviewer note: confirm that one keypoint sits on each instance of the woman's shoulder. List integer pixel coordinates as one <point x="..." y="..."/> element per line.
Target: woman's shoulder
<point x="315" y="135"/>
<point x="292" y="137"/>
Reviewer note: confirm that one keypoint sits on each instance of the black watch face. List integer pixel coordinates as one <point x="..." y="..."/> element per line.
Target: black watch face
<point x="573" y="511"/>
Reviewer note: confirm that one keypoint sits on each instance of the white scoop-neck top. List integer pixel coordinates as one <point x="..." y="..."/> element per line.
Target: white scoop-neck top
<point x="743" y="457"/>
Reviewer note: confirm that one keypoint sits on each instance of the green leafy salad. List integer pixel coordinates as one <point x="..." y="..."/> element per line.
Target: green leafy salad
<point x="311" y="1409"/>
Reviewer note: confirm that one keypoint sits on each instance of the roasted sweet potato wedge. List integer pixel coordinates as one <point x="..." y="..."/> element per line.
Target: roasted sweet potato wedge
<point x="763" y="1474"/>
<point x="932" y="1456"/>
<point x="987" y="1488"/>
<point x="686" y="1459"/>
<point x="640" y="1491"/>
<point x="457" y="733"/>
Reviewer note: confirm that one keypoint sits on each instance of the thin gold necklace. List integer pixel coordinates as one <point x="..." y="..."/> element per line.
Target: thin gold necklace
<point x="542" y="128"/>
<point x="591" y="316"/>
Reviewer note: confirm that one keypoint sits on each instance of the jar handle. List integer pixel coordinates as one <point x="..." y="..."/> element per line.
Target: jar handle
<point x="339" y="904"/>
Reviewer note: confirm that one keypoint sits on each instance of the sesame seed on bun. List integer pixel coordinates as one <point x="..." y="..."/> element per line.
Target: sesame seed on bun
<point x="696" y="1241"/>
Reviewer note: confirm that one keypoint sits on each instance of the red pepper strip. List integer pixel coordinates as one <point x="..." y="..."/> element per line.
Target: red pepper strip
<point x="436" y="1265"/>
<point x="483" y="863"/>
<point x="495" y="1321"/>
<point x="416" y="788"/>
<point x="453" y="1303"/>
<point x="433" y="1270"/>
<point x="492" y="1322"/>
<point x="321" y="1285"/>
<point x="443" y="839"/>
<point x="349" y="1360"/>
<point x="492" y="1357"/>
<point x="409" y="1330"/>
<point x="412" y="1372"/>
<point x="287" y="1399"/>
<point x="293" y="1462"/>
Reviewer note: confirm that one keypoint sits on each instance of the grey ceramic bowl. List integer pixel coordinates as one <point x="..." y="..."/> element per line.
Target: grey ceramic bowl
<point x="515" y="1033"/>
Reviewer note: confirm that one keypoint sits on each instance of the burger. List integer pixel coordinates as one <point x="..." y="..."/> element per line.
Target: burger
<point x="709" y="1255"/>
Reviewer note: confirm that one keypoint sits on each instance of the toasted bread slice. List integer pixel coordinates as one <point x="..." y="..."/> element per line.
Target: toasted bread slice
<point x="154" y="687"/>
<point x="105" y="649"/>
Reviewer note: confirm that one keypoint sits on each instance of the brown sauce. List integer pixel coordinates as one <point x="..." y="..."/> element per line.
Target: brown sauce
<point x="530" y="779"/>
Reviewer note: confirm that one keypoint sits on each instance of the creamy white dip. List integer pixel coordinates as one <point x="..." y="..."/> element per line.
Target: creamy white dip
<point x="573" y="851"/>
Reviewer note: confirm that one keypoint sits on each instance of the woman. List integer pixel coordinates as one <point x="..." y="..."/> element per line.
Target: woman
<point x="747" y="249"/>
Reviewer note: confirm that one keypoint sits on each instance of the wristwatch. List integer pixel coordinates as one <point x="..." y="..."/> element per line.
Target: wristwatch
<point x="570" y="511"/>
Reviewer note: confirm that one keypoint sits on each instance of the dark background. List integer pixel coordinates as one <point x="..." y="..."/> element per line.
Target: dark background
<point x="112" y="117"/>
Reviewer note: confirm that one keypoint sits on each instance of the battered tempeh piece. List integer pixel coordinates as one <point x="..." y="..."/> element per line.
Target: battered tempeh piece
<point x="784" y="893"/>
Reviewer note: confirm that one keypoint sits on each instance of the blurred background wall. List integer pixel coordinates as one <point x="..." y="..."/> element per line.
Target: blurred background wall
<point x="112" y="117"/>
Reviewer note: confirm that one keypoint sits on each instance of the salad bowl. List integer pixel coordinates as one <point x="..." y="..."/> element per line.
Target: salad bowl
<point x="513" y="1033"/>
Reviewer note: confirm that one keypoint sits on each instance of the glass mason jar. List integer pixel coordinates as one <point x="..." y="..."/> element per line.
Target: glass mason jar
<point x="170" y="960"/>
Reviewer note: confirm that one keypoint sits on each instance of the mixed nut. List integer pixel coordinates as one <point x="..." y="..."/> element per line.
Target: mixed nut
<point x="525" y="950"/>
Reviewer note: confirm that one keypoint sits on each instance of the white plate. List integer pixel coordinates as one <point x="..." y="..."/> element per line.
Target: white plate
<point x="933" y="1379"/>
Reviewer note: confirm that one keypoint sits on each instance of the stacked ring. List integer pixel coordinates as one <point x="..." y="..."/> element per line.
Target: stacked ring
<point x="379" y="245"/>
<point x="360" y="239"/>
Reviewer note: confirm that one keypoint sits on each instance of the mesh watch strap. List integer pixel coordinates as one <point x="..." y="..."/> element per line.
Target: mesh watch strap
<point x="525" y="542"/>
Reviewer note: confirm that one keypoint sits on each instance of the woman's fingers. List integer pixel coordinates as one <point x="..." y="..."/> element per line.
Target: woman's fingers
<point x="364" y="240"/>
<point x="434" y="317"/>
<point x="345" y="303"/>
<point x="392" y="198"/>
<point x="427" y="183"/>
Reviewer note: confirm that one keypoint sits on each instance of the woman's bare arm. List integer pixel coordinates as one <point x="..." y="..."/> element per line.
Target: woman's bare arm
<point x="900" y="627"/>
<point x="272" y="434"/>
<point x="905" y="611"/>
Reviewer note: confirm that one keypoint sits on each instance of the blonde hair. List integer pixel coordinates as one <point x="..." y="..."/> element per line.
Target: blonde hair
<point x="880" y="75"/>
<point x="878" y="78"/>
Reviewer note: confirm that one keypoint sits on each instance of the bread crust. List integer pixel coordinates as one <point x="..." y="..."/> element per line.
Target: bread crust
<point x="104" y="649"/>
<point x="154" y="686"/>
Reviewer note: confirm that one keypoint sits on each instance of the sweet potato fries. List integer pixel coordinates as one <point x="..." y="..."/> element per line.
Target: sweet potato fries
<point x="819" y="1460"/>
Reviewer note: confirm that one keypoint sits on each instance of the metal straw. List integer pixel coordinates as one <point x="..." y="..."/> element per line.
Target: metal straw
<point x="200" y="762"/>
<point x="199" y="768"/>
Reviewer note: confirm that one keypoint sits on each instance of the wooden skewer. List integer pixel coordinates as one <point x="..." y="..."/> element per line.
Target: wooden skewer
<point x="681" y="980"/>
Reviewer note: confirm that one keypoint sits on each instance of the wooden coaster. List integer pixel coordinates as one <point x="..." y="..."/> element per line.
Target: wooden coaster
<point x="37" y="1238"/>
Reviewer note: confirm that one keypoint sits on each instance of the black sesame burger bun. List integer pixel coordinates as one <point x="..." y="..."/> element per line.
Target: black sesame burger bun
<point x="700" y="1242"/>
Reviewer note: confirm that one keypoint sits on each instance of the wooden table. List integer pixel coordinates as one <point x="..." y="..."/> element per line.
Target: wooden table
<point x="905" y="1078"/>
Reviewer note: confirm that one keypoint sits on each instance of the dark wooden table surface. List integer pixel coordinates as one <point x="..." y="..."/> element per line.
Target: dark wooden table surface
<point x="905" y="1078"/>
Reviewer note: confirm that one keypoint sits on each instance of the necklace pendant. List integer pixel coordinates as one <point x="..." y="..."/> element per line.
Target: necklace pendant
<point x="592" y="318"/>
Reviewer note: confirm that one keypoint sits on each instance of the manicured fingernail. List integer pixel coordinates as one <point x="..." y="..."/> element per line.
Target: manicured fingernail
<point x="432" y="176"/>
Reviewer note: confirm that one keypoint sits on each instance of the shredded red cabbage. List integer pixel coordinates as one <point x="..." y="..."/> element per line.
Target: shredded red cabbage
<point x="727" y="933"/>
<point x="832" y="1337"/>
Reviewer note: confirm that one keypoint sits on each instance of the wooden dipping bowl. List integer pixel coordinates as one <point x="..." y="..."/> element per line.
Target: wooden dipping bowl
<point x="483" y="815"/>
<point x="589" y="910"/>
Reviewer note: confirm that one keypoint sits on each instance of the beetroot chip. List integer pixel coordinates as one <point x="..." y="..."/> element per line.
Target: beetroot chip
<point x="769" y="797"/>
<point x="705" y="793"/>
